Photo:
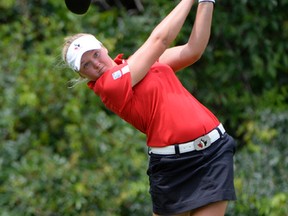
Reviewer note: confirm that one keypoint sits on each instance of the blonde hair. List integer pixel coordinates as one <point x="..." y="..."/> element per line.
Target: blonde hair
<point x="67" y="42"/>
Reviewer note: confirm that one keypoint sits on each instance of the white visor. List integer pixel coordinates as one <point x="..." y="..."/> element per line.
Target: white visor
<point x="78" y="47"/>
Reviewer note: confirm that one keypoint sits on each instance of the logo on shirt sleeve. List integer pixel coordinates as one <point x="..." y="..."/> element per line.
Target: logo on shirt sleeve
<point x="116" y="75"/>
<point x="119" y="73"/>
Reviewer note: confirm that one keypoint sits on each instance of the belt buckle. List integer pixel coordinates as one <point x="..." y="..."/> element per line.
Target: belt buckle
<point x="202" y="143"/>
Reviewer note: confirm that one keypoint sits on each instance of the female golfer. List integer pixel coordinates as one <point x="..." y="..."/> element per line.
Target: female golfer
<point x="191" y="155"/>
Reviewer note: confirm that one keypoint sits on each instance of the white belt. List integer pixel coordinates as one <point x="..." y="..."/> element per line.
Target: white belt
<point x="200" y="143"/>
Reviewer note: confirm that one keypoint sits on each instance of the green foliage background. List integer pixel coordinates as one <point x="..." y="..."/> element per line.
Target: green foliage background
<point x="63" y="153"/>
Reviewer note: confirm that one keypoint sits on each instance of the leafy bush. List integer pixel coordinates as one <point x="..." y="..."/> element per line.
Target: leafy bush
<point x="261" y="167"/>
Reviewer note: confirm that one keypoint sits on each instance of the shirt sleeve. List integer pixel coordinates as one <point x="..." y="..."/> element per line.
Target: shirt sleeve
<point x="115" y="88"/>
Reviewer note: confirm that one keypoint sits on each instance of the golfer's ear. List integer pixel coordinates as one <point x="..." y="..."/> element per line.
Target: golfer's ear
<point x="105" y="49"/>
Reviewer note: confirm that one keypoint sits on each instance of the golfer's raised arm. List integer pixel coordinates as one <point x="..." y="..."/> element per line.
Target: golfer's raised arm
<point x="159" y="40"/>
<point x="182" y="56"/>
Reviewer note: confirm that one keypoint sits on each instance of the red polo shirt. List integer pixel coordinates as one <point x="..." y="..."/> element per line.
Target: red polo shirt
<point x="158" y="105"/>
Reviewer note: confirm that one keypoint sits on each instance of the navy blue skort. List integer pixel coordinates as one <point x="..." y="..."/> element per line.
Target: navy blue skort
<point x="180" y="183"/>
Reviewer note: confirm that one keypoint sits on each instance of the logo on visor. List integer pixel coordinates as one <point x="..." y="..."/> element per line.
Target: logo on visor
<point x="76" y="46"/>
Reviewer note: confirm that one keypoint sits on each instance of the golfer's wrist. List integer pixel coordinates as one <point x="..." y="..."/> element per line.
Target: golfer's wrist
<point x="200" y="1"/>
